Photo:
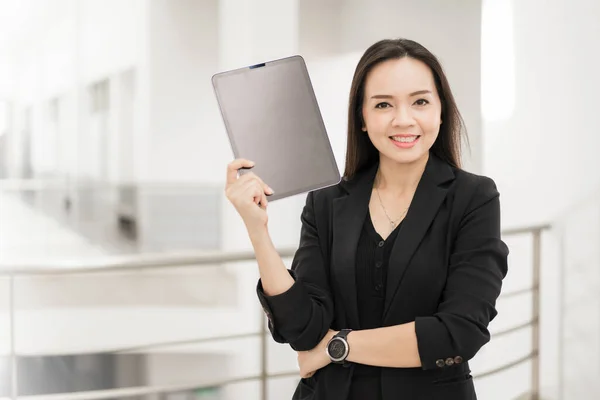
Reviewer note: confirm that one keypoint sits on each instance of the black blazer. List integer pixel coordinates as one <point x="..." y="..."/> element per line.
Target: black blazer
<point x="445" y="273"/>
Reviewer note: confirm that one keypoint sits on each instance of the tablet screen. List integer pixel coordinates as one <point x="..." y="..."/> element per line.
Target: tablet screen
<point x="272" y="118"/>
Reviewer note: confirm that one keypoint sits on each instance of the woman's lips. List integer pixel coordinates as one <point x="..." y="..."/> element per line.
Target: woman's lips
<point x="405" y="145"/>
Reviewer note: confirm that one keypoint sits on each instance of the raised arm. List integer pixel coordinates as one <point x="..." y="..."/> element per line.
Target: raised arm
<point x="302" y="314"/>
<point x="298" y="303"/>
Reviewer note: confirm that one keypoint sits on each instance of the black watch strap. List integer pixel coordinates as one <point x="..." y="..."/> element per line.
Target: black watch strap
<point x="343" y="334"/>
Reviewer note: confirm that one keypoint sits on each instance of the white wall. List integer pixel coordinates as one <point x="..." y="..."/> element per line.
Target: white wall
<point x="77" y="43"/>
<point x="184" y="143"/>
<point x="547" y="148"/>
<point x="6" y="78"/>
<point x="544" y="156"/>
<point x="579" y="340"/>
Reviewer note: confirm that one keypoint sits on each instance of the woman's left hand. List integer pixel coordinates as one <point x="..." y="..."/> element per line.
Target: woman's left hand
<point x="313" y="360"/>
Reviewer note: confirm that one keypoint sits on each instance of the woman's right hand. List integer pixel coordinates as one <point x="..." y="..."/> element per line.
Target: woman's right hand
<point x="247" y="194"/>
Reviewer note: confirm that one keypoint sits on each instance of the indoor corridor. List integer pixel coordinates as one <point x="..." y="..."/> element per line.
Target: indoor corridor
<point x="126" y="274"/>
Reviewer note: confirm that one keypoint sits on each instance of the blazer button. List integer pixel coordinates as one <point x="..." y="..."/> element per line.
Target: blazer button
<point x="440" y="363"/>
<point x="449" y="361"/>
<point x="458" y="360"/>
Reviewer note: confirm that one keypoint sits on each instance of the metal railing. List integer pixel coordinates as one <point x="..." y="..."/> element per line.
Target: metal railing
<point x="149" y="262"/>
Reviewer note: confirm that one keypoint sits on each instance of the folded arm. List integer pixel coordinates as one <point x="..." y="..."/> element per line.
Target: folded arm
<point x="459" y="328"/>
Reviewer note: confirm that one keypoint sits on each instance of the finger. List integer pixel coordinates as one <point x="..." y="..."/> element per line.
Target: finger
<point x="260" y="198"/>
<point x="263" y="200"/>
<point x="249" y="191"/>
<point x="243" y="193"/>
<point x="255" y="191"/>
<point x="250" y="176"/>
<point x="234" y="166"/>
<point x="266" y="188"/>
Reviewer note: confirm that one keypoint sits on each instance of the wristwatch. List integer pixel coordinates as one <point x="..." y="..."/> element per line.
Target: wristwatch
<point x="338" y="348"/>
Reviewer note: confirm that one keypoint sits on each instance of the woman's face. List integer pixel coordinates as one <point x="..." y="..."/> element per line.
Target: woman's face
<point x="401" y="109"/>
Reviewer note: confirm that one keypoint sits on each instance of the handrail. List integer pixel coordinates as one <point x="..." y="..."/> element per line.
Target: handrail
<point x="516" y="328"/>
<point x="134" y="262"/>
<point x="222" y="338"/>
<point x="526" y="229"/>
<point x="150" y="346"/>
<point x="153" y="261"/>
<point x="510" y="365"/>
<point x="519" y="292"/>
<point x="35" y="185"/>
<point x="149" y="390"/>
<point x="160" y="260"/>
<point x="13" y="185"/>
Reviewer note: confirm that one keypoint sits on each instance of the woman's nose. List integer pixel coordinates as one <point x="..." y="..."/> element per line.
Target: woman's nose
<point x="403" y="117"/>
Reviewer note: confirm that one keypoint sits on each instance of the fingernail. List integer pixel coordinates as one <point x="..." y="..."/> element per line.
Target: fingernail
<point x="270" y="190"/>
<point x="252" y="163"/>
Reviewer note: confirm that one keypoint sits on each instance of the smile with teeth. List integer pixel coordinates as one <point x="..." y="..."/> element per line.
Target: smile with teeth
<point x="404" y="139"/>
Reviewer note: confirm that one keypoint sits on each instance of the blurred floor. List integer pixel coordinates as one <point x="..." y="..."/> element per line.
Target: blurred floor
<point x="27" y="234"/>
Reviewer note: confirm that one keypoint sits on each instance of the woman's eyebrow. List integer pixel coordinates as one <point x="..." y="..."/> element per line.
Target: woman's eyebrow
<point x="418" y="92"/>
<point x="382" y="96"/>
<point x="387" y="96"/>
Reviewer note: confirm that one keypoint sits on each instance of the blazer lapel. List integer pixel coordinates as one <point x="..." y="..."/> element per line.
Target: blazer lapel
<point x="424" y="206"/>
<point x="349" y="213"/>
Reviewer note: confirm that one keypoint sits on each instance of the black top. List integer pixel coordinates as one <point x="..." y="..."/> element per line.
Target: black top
<point x="446" y="272"/>
<point x="372" y="258"/>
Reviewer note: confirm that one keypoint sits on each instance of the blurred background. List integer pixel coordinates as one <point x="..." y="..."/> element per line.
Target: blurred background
<point x="125" y="274"/>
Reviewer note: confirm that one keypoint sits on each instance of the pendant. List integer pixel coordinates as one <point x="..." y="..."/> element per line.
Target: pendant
<point x="393" y="224"/>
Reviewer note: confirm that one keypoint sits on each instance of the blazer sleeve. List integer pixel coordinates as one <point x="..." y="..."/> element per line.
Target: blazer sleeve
<point x="303" y="314"/>
<point x="477" y="266"/>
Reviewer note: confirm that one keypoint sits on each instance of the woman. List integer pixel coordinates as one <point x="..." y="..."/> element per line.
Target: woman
<point x="399" y="266"/>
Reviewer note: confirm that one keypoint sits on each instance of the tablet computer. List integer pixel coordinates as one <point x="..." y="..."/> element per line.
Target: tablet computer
<point x="272" y="117"/>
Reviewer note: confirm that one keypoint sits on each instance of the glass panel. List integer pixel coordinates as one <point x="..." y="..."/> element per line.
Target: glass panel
<point x="580" y="334"/>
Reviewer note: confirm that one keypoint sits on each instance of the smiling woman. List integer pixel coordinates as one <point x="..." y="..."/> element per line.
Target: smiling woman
<point x="399" y="266"/>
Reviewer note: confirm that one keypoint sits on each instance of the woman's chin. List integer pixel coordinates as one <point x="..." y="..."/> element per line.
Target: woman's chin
<point x="407" y="157"/>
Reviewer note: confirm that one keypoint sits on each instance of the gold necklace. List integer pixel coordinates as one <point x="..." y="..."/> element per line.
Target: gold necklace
<point x="392" y="222"/>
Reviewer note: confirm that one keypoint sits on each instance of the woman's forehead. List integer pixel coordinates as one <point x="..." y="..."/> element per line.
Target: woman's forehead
<point x="399" y="76"/>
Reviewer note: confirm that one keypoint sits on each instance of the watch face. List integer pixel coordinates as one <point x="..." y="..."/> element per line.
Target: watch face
<point x="337" y="349"/>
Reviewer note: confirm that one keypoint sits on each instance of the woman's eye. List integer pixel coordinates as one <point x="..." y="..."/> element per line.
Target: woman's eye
<point x="421" y="102"/>
<point x="383" y="105"/>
